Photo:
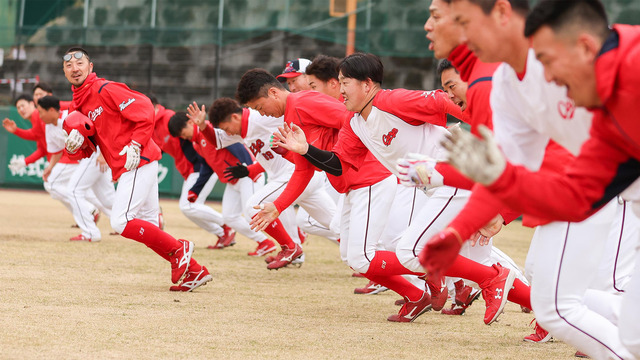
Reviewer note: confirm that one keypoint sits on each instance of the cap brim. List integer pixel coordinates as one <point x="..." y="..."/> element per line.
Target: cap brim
<point x="288" y="75"/>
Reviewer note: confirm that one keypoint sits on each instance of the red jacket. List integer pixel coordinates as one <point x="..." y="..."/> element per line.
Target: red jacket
<point x="170" y="144"/>
<point x="120" y="115"/>
<point x="218" y="159"/>
<point x="609" y="161"/>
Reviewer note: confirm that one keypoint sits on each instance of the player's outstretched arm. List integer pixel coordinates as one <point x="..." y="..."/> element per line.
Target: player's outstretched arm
<point x="198" y="115"/>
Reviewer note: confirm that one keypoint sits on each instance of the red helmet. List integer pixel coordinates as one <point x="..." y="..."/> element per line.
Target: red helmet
<point x="77" y="120"/>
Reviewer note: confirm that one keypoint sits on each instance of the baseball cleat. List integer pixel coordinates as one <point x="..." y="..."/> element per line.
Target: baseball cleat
<point x="371" y="288"/>
<point x="540" y="335"/>
<point x="229" y="237"/>
<point x="302" y="235"/>
<point x="285" y="257"/>
<point x="264" y="247"/>
<point x="180" y="260"/>
<point x="454" y="310"/>
<point x="96" y="215"/>
<point x="193" y="280"/>
<point x="83" y="238"/>
<point x="411" y="310"/>
<point x="399" y="302"/>
<point x="495" y="292"/>
<point x="438" y="291"/>
<point x="579" y="354"/>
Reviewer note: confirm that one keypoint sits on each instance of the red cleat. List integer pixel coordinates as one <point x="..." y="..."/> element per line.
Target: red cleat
<point x="193" y="280"/>
<point x="411" y="310"/>
<point x="285" y="257"/>
<point x="302" y="235"/>
<point x="82" y="238"/>
<point x="264" y="247"/>
<point x="438" y="291"/>
<point x="180" y="260"/>
<point x="454" y="310"/>
<point x="579" y="354"/>
<point x="540" y="335"/>
<point x="495" y="291"/>
<point x="371" y="288"/>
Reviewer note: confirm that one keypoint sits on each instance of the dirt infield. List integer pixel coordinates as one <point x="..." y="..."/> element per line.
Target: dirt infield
<point x="107" y="300"/>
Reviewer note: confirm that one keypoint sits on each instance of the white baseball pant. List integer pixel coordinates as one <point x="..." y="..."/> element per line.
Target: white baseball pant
<point x="199" y="213"/>
<point x="234" y="200"/>
<point x="136" y="197"/>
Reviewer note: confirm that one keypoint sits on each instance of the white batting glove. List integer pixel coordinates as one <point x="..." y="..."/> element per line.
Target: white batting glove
<point x="74" y="141"/>
<point x="418" y="170"/>
<point x="479" y="159"/>
<point x="133" y="155"/>
<point x="17" y="164"/>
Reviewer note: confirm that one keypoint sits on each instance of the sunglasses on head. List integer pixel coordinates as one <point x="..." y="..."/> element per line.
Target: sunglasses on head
<point x="78" y="55"/>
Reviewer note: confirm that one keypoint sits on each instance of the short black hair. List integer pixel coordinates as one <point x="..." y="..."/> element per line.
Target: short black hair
<point x="254" y="84"/>
<point x="177" y="122"/>
<point x="23" y="97"/>
<point x="324" y="67"/>
<point x="558" y="15"/>
<point x="48" y="102"/>
<point x="519" y="6"/>
<point x="362" y="66"/>
<point x="443" y="65"/>
<point x="153" y="98"/>
<point x="44" y="87"/>
<point x="221" y="109"/>
<point x="78" y="48"/>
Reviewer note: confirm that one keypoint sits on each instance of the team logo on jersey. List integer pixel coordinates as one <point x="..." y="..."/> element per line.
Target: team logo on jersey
<point x="566" y="109"/>
<point x="203" y="143"/>
<point x="431" y="93"/>
<point x="256" y="147"/>
<point x="388" y="138"/>
<point x="126" y="103"/>
<point x="95" y="113"/>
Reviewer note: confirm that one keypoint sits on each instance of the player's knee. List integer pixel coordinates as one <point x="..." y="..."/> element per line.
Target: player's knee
<point x="358" y="263"/>
<point x="187" y="209"/>
<point x="118" y="223"/>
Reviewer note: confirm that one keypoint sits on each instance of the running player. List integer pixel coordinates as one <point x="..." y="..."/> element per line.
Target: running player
<point x="120" y="121"/>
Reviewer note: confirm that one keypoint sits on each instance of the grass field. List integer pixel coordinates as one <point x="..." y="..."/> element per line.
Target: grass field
<point x="108" y="300"/>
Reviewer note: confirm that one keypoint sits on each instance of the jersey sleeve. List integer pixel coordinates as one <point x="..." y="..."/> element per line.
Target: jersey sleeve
<point x="297" y="184"/>
<point x="223" y="139"/>
<point x="133" y="106"/>
<point x="313" y="108"/>
<point x="417" y="107"/>
<point x="349" y="147"/>
<point x="601" y="171"/>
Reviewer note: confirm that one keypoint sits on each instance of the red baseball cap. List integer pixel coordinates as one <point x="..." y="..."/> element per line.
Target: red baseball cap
<point x="294" y="68"/>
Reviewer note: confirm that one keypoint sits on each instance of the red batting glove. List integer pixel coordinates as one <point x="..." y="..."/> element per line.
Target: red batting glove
<point x="440" y="252"/>
<point x="192" y="197"/>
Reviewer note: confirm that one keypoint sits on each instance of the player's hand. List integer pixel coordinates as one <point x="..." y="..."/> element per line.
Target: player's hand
<point x="192" y="197"/>
<point x="132" y="151"/>
<point x="416" y="170"/>
<point x="291" y="138"/>
<point x="440" y="252"/>
<point x="74" y="141"/>
<point x="198" y="115"/>
<point x="236" y="172"/>
<point x="264" y="217"/>
<point x="17" y="164"/>
<point x="479" y="159"/>
<point x="102" y="163"/>
<point x="46" y="173"/>
<point x="9" y="125"/>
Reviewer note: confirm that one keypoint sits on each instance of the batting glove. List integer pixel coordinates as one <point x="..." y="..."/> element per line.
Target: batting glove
<point x="133" y="155"/>
<point x="479" y="159"/>
<point x="236" y="172"/>
<point x="418" y="171"/>
<point x="74" y="141"/>
<point x="192" y="197"/>
<point x="17" y="164"/>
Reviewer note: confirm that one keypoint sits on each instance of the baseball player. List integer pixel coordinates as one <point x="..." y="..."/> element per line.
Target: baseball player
<point x="524" y="103"/>
<point x="66" y="177"/>
<point x="369" y="192"/>
<point x="199" y="179"/>
<point x="294" y="75"/>
<point x="254" y="130"/>
<point x="120" y="121"/>
<point x="237" y="191"/>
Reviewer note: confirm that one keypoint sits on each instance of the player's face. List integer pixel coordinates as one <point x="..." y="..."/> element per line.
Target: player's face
<point x="568" y="62"/>
<point x="442" y="32"/>
<point x="77" y="70"/>
<point x="331" y="87"/>
<point x="479" y="30"/>
<point x="455" y="87"/>
<point x="25" y="108"/>
<point x="298" y="83"/>
<point x="38" y="94"/>
<point x="268" y="105"/>
<point x="48" y="116"/>
<point x="187" y="131"/>
<point x="232" y="126"/>
<point x="353" y="92"/>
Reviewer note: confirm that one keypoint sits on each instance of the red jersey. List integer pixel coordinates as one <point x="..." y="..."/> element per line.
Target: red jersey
<point x="120" y="115"/>
<point x="37" y="134"/>
<point x="608" y="162"/>
<point x="218" y="159"/>
<point x="321" y="117"/>
<point x="170" y="144"/>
